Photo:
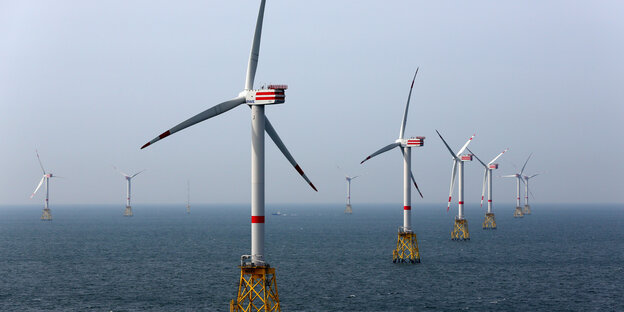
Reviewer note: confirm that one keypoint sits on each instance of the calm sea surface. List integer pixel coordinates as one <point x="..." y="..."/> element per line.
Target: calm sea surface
<point x="90" y="258"/>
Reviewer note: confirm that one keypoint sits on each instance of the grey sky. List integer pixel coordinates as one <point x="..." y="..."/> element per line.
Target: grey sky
<point x="88" y="82"/>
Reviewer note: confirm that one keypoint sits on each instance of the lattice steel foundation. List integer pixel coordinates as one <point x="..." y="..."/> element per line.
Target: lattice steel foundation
<point x="406" y="249"/>
<point x="460" y="230"/>
<point x="348" y="209"/>
<point x="257" y="290"/>
<point x="47" y="215"/>
<point x="527" y="210"/>
<point x="518" y="213"/>
<point x="490" y="222"/>
<point x="128" y="212"/>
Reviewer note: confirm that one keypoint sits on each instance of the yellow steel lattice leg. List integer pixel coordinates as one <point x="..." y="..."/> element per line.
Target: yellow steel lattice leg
<point x="257" y="290"/>
<point x="128" y="212"/>
<point x="518" y="213"/>
<point x="527" y="210"/>
<point x="490" y="222"/>
<point x="407" y="248"/>
<point x="460" y="230"/>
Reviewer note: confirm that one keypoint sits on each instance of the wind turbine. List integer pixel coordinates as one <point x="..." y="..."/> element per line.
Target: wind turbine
<point x="128" y="211"/>
<point x="490" y="219"/>
<point x="46" y="216"/>
<point x="407" y="243"/>
<point x="527" y="207"/>
<point x="348" y="210"/>
<point x="460" y="229"/>
<point x="257" y="277"/>
<point x="518" y="212"/>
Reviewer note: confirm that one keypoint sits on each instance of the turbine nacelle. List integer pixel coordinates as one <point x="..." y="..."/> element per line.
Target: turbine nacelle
<point x="466" y="157"/>
<point x="411" y="142"/>
<point x="493" y="166"/>
<point x="273" y="95"/>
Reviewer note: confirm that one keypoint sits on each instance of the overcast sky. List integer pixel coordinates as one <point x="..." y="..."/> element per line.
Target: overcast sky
<point x="87" y="83"/>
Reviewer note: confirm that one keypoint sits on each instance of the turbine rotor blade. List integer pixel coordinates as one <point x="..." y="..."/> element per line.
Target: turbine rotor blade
<point x="136" y="174"/>
<point x="38" y="186"/>
<point x="465" y="145"/>
<point x="499" y="155"/>
<point x="209" y="113"/>
<point x="525" y="163"/>
<point x="122" y="173"/>
<point x="509" y="176"/>
<point x="473" y="154"/>
<point x="533" y="176"/>
<point x="255" y="50"/>
<point x="447" y="146"/>
<point x="275" y="137"/>
<point x="40" y="164"/>
<point x="409" y="96"/>
<point x="452" y="183"/>
<point x="412" y="176"/>
<point x="381" y="150"/>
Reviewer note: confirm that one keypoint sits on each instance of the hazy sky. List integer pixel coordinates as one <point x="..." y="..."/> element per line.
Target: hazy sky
<point x="88" y="82"/>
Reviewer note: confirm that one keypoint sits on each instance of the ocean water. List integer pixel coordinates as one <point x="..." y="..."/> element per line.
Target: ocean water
<point x="90" y="258"/>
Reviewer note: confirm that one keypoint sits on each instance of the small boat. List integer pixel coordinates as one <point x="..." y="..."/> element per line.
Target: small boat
<point x="277" y="213"/>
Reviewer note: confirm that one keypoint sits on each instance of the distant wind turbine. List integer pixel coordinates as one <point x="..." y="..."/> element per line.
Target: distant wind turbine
<point x="527" y="207"/>
<point x="128" y="211"/>
<point x="47" y="215"/>
<point x="518" y="212"/>
<point x="490" y="219"/>
<point x="348" y="209"/>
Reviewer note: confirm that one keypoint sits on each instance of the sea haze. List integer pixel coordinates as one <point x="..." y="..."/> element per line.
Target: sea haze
<point x="561" y="257"/>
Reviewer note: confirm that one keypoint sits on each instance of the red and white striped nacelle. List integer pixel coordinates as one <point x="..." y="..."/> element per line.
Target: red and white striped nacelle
<point x="273" y="95"/>
<point x="493" y="166"/>
<point x="466" y="157"/>
<point x="413" y="141"/>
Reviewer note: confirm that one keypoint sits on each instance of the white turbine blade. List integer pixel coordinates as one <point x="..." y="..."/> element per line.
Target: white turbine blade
<point x="525" y="163"/>
<point x="483" y="188"/>
<point x="409" y="96"/>
<point x="122" y="173"/>
<point x="465" y="146"/>
<point x="354" y="177"/>
<point x="273" y="134"/>
<point x="452" y="183"/>
<point x="533" y="176"/>
<point x="38" y="186"/>
<point x="209" y="113"/>
<point x="473" y="154"/>
<point x="509" y="176"/>
<point x="136" y="174"/>
<point x="447" y="146"/>
<point x="499" y="155"/>
<point x="381" y="150"/>
<point x="255" y="50"/>
<point x="39" y="159"/>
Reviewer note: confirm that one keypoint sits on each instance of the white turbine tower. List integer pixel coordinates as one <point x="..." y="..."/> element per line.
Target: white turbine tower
<point x="348" y="209"/>
<point x="490" y="219"/>
<point x="460" y="229"/>
<point x="257" y="277"/>
<point x="407" y="243"/>
<point x="527" y="207"/>
<point x="47" y="215"/>
<point x="128" y="211"/>
<point x="518" y="212"/>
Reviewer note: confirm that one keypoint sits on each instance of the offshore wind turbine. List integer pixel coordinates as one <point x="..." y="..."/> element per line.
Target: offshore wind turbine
<point x="460" y="229"/>
<point x="490" y="219"/>
<point x="348" y="209"/>
<point x="518" y="212"/>
<point x="128" y="211"/>
<point x="407" y="243"/>
<point x="527" y="207"/>
<point x="47" y="215"/>
<point x="257" y="284"/>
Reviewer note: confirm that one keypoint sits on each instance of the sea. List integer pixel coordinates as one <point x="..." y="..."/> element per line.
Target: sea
<point x="90" y="258"/>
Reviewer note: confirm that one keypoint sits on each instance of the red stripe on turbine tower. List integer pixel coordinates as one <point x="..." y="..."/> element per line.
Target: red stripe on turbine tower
<point x="257" y="219"/>
<point x="461" y="202"/>
<point x="489" y="200"/>
<point x="407" y="207"/>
